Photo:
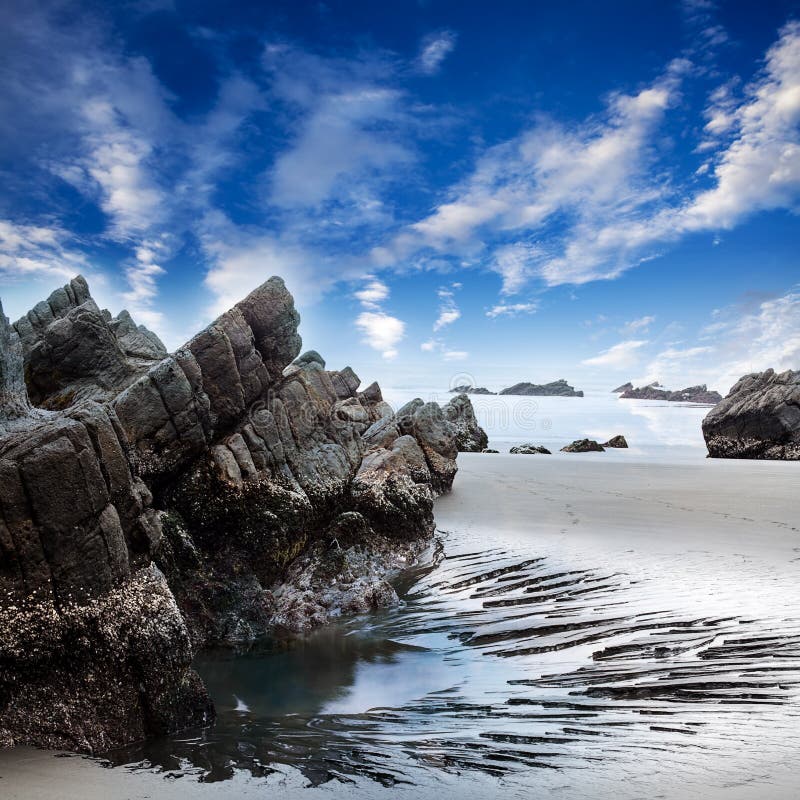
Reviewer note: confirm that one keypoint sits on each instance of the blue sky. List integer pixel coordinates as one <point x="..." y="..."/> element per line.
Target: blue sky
<point x="509" y="191"/>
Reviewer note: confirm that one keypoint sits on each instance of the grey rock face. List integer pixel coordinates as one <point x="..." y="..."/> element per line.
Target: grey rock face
<point x="559" y="388"/>
<point x="616" y="441"/>
<point x="14" y="403"/>
<point x="583" y="446"/>
<point x="224" y="466"/>
<point x="760" y="418"/>
<point x="624" y="388"/>
<point x="529" y="450"/>
<point x="74" y="351"/>
<point x="470" y="437"/>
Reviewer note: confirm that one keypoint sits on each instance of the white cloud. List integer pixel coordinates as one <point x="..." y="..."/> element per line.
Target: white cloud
<point x="641" y="324"/>
<point x="349" y="129"/>
<point x="448" y="310"/>
<point x="746" y="341"/>
<point x="512" y="309"/>
<point x="374" y="293"/>
<point x="381" y="331"/>
<point x="760" y="169"/>
<point x="621" y="355"/>
<point x="455" y="355"/>
<point x="435" y="49"/>
<point x="592" y="175"/>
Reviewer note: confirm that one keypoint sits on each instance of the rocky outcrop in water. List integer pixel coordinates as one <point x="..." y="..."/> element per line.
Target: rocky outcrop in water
<point x="529" y="450"/>
<point x="559" y="388"/>
<point x="470" y="437"/>
<point x="760" y="418"/>
<point x="466" y="388"/>
<point x="616" y="441"/>
<point x="583" y="446"/>
<point x="624" y="388"/>
<point x="691" y="394"/>
<point x="153" y="503"/>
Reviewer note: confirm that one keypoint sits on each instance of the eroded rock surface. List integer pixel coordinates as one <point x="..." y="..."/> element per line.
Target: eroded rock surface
<point x="760" y="418"/>
<point x="583" y="446"/>
<point x="152" y="503"/>
<point x="470" y="437"/>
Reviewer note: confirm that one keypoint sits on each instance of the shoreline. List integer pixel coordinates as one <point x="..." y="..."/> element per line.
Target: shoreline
<point x="728" y="527"/>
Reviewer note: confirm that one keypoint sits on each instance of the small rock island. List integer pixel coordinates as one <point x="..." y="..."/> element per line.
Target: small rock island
<point x="559" y="388"/>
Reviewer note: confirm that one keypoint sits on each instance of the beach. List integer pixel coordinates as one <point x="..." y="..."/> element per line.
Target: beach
<point x="604" y="624"/>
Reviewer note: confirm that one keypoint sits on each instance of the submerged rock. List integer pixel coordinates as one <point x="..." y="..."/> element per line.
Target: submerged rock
<point x="559" y="388"/>
<point x="470" y="437"/>
<point x="616" y="441"/>
<point x="529" y="450"/>
<point x="159" y="502"/>
<point x="583" y="446"/>
<point x="760" y="418"/>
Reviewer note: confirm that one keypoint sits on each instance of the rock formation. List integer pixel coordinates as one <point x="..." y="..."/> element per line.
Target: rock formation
<point x="760" y="418"/>
<point x="559" y="388"/>
<point x="529" y="450"/>
<point x="691" y="394"/>
<point x="583" y="446"/>
<point x="468" y="389"/>
<point x="616" y="441"/>
<point x="624" y="388"/>
<point x="470" y="437"/>
<point x="153" y="503"/>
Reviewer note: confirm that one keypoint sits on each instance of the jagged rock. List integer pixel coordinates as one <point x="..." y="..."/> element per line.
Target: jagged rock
<point x="470" y="437"/>
<point x="760" y="418"/>
<point x="467" y="388"/>
<point x="228" y="465"/>
<point x="616" y="441"/>
<point x="529" y="450"/>
<point x="75" y="351"/>
<point x="14" y="402"/>
<point x="692" y="394"/>
<point x="136" y="340"/>
<point x="583" y="446"/>
<point x="624" y="388"/>
<point x="489" y="450"/>
<point x="559" y="388"/>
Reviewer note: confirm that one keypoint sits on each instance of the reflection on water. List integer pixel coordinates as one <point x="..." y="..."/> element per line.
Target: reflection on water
<point x="500" y="663"/>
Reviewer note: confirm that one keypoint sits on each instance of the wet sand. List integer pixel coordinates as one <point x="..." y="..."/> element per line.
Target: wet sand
<point x="602" y="625"/>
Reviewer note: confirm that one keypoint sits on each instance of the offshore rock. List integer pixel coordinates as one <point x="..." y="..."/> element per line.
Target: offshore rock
<point x="616" y="441"/>
<point x="760" y="418"/>
<point x="559" y="388"/>
<point x="691" y="394"/>
<point x="467" y="388"/>
<point x="529" y="450"/>
<point x="583" y="446"/>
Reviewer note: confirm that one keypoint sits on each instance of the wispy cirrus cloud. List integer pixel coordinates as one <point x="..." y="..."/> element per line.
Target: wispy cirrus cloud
<point x="512" y="309"/>
<point x="434" y="50"/>
<point x="622" y="355"/>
